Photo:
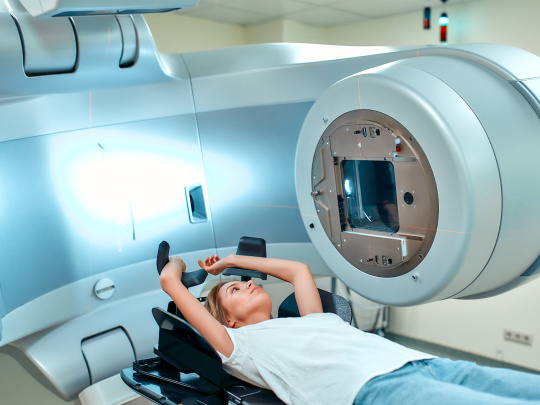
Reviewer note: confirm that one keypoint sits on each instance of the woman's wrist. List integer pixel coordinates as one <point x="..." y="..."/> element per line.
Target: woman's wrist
<point x="231" y="261"/>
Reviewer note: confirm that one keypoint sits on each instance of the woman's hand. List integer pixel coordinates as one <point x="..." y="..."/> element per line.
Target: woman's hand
<point x="214" y="265"/>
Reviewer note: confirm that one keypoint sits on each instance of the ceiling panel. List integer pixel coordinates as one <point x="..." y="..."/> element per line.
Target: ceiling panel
<point x="324" y="16"/>
<point x="226" y="15"/>
<point x="321" y="13"/>
<point x="379" y="8"/>
<point x="323" y="3"/>
<point x="270" y="8"/>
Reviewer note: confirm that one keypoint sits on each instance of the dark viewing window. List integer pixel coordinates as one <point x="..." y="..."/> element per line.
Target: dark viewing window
<point x="369" y="191"/>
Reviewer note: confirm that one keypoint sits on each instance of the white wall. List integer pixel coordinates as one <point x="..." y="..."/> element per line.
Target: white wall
<point x="477" y="326"/>
<point x="284" y="31"/>
<point x="175" y="33"/>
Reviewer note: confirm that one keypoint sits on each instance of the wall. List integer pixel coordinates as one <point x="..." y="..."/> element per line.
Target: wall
<point x="175" y="33"/>
<point x="477" y="326"/>
<point x="284" y="31"/>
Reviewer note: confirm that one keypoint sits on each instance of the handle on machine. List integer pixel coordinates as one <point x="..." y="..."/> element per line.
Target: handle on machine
<point x="244" y="273"/>
<point x="188" y="279"/>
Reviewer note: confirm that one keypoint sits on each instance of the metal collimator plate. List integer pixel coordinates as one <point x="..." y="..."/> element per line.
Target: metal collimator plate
<point x="375" y="193"/>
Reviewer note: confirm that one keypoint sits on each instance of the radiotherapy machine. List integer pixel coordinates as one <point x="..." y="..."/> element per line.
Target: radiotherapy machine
<point x="408" y="173"/>
<point x="414" y="180"/>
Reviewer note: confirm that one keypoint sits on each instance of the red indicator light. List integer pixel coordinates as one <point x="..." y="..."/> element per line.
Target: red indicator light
<point x="443" y="33"/>
<point x="443" y="23"/>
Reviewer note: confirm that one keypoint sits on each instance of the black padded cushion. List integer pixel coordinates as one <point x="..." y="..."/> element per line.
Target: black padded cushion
<point x="248" y="246"/>
<point x="330" y="302"/>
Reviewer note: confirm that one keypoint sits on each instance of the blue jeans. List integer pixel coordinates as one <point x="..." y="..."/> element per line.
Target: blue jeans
<point x="444" y="382"/>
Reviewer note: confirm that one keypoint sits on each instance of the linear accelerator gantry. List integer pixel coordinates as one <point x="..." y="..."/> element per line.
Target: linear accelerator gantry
<point x="411" y="177"/>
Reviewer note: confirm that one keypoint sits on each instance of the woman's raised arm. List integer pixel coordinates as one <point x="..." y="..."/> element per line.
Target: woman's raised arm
<point x="296" y="273"/>
<point x="195" y="313"/>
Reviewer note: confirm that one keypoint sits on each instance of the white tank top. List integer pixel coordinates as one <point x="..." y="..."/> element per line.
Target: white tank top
<point x="314" y="359"/>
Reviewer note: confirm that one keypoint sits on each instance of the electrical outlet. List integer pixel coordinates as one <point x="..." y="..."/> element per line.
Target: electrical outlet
<point x="519" y="337"/>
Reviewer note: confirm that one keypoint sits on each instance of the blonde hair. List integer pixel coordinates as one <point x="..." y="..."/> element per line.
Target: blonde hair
<point x="214" y="306"/>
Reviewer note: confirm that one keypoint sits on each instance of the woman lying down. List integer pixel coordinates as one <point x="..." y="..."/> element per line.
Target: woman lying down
<point x="320" y="359"/>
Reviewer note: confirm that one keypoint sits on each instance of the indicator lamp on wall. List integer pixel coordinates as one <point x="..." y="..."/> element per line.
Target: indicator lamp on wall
<point x="427" y="17"/>
<point x="443" y="24"/>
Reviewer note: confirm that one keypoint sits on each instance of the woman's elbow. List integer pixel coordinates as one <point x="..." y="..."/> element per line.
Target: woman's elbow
<point x="303" y="270"/>
<point x="168" y="282"/>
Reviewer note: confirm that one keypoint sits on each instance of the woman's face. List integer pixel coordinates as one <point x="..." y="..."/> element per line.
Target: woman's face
<point x="245" y="303"/>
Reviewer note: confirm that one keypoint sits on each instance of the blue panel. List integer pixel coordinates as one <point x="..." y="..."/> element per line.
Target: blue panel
<point x="249" y="156"/>
<point x="79" y="203"/>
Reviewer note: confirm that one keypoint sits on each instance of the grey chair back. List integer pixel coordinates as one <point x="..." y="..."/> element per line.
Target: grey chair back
<point x="331" y="303"/>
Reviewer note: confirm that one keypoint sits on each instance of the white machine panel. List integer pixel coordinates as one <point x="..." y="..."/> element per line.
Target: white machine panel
<point x="102" y="350"/>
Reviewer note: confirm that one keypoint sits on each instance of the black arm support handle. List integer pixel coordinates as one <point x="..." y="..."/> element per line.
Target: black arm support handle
<point x="194" y="278"/>
<point x="188" y="279"/>
<point x="235" y="271"/>
<point x="162" y="256"/>
<point x="248" y="246"/>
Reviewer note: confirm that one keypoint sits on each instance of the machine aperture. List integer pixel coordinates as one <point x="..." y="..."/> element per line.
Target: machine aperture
<point x="368" y="172"/>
